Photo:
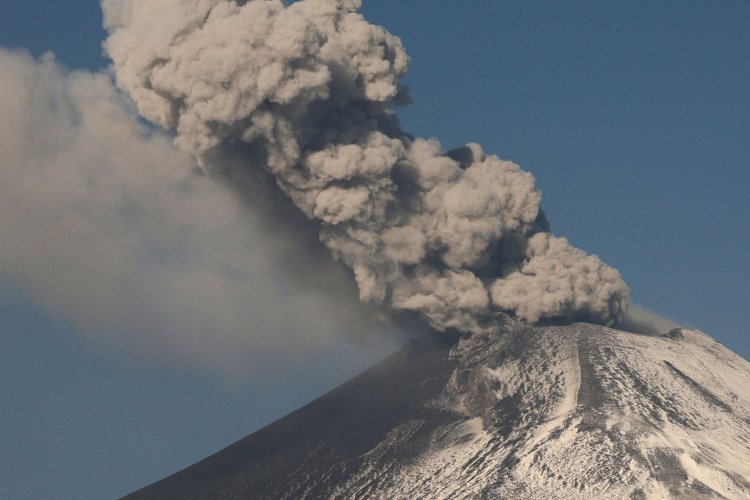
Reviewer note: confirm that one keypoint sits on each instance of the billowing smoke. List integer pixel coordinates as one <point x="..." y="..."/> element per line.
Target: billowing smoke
<point x="309" y="89"/>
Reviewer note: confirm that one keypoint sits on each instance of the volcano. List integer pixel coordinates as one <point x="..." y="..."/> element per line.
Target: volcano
<point x="575" y="411"/>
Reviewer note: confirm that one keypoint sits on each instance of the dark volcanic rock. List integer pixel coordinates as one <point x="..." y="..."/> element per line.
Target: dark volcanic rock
<point x="576" y="411"/>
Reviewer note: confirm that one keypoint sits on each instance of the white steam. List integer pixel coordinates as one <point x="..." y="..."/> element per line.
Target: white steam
<point x="310" y="90"/>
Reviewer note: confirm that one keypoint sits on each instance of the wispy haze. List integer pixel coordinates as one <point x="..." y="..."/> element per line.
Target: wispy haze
<point x="112" y="228"/>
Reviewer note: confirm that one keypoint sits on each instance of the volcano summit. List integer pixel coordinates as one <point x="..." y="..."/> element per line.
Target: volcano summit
<point x="577" y="411"/>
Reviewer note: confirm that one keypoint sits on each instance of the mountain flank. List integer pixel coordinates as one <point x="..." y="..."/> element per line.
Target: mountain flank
<point x="575" y="411"/>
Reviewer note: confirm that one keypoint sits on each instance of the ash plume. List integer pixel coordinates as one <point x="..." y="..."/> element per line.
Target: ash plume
<point x="107" y="226"/>
<point x="310" y="89"/>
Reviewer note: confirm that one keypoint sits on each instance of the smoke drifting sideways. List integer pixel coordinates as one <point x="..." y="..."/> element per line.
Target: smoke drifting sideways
<point x="110" y="227"/>
<point x="645" y="322"/>
<point x="309" y="90"/>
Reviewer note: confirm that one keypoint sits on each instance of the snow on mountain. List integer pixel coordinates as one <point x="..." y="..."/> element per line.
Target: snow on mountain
<point x="577" y="411"/>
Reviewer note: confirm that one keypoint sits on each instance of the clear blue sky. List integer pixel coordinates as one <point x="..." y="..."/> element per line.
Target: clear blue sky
<point x="633" y="116"/>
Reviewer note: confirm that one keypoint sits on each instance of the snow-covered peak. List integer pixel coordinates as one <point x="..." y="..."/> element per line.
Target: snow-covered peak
<point x="576" y="411"/>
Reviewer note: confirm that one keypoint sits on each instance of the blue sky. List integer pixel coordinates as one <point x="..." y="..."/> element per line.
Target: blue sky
<point x="634" y="117"/>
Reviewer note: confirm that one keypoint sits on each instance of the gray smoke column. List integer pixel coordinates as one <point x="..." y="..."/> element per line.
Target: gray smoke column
<point x="311" y="88"/>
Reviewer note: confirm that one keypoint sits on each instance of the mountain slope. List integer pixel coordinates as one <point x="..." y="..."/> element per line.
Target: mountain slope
<point x="577" y="411"/>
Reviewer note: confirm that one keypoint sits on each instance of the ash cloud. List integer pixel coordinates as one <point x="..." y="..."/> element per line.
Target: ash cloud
<point x="109" y="226"/>
<point x="311" y="89"/>
<point x="217" y="255"/>
<point x="640" y="320"/>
